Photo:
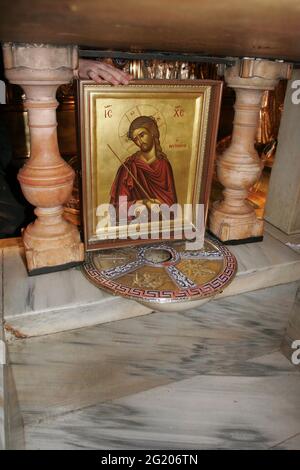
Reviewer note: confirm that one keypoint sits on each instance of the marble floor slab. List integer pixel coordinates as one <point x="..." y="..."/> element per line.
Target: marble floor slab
<point x="237" y="411"/>
<point x="58" y="373"/>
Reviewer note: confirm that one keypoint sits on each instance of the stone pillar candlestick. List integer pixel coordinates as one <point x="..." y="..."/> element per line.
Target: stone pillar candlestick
<point x="238" y="169"/>
<point x="51" y="243"/>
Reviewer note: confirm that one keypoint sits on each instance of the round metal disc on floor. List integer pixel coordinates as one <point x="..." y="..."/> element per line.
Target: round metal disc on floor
<point x="162" y="272"/>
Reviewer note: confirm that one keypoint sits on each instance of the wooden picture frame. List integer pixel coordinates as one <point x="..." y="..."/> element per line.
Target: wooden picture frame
<point x="181" y="118"/>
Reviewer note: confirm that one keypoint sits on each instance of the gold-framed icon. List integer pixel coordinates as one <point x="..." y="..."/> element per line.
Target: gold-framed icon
<point x="144" y="146"/>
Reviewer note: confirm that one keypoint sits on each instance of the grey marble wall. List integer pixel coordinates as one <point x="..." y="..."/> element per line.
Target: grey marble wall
<point x="283" y="203"/>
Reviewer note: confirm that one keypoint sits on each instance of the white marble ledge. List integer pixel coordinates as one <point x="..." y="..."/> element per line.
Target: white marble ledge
<point x="264" y="264"/>
<point x="66" y="300"/>
<point x="293" y="240"/>
<point x="50" y="303"/>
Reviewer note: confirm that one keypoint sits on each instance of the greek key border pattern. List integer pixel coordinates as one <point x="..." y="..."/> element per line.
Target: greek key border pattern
<point x="205" y="290"/>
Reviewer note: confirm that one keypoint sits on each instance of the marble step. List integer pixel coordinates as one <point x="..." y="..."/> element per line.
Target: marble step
<point x="62" y="372"/>
<point x="63" y="301"/>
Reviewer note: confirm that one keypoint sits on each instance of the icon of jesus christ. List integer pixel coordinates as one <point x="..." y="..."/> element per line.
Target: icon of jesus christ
<point x="146" y="177"/>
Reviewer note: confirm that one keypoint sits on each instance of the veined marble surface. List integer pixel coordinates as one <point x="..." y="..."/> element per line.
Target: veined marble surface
<point x="293" y="329"/>
<point x="55" y="302"/>
<point x="294" y="319"/>
<point x="293" y="240"/>
<point x="14" y="425"/>
<point x="11" y="422"/>
<point x="67" y="371"/>
<point x="293" y="443"/>
<point x="64" y="301"/>
<point x="245" y="410"/>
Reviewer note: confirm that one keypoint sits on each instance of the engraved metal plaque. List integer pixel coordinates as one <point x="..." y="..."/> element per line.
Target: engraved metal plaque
<point x="164" y="272"/>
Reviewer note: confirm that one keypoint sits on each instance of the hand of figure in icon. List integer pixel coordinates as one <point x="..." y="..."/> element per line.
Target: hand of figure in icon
<point x="102" y="72"/>
<point x="150" y="204"/>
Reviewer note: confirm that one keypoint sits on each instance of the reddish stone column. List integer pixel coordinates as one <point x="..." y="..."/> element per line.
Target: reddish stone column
<point x="50" y="242"/>
<point x="239" y="167"/>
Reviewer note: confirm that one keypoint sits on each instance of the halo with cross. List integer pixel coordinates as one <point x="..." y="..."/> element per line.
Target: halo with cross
<point x="133" y="113"/>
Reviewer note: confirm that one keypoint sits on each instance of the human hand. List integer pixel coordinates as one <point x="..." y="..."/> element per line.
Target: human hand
<point x="101" y="72"/>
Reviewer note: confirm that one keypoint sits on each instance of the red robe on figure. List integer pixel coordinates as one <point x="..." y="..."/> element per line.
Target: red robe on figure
<point x="156" y="178"/>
